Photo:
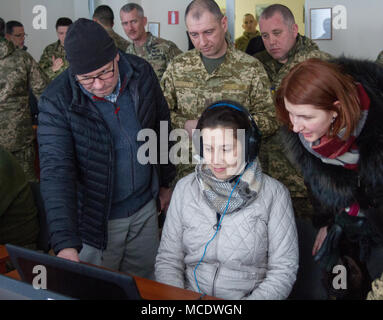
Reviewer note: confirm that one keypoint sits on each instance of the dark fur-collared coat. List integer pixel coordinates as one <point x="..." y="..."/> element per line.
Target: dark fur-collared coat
<point x="334" y="187"/>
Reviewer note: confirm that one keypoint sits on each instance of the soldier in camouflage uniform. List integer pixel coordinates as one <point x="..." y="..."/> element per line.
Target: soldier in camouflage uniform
<point x="380" y="58"/>
<point x="158" y="52"/>
<point x="249" y="25"/>
<point x="285" y="48"/>
<point x="53" y="61"/>
<point x="213" y="71"/>
<point x="19" y="73"/>
<point x="105" y="17"/>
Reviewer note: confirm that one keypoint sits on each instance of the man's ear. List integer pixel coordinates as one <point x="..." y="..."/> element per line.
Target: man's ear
<point x="224" y="23"/>
<point x="8" y="37"/>
<point x="145" y="21"/>
<point x="294" y="28"/>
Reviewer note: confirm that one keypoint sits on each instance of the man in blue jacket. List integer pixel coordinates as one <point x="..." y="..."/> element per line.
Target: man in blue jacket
<point x="100" y="200"/>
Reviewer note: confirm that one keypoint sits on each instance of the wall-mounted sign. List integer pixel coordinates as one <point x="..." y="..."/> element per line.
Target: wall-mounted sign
<point x="173" y="17"/>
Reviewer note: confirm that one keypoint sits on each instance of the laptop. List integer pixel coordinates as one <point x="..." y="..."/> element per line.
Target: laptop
<point x="71" y="279"/>
<point x="11" y="289"/>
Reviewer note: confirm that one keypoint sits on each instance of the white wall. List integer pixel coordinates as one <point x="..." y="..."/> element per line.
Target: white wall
<point x="37" y="40"/>
<point x="10" y="10"/>
<point x="157" y="11"/>
<point x="81" y="9"/>
<point x="22" y="10"/>
<point x="362" y="37"/>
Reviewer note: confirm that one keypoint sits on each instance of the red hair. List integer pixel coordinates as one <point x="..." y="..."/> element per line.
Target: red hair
<point x="321" y="84"/>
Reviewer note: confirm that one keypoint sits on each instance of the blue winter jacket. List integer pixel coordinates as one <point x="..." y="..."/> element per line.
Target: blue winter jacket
<point x="76" y="155"/>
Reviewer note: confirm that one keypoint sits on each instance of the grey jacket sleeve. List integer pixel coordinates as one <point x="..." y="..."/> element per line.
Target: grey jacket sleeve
<point x="283" y="250"/>
<point x="170" y="266"/>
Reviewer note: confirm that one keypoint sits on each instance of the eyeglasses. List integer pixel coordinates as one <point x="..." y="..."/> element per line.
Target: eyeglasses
<point x="21" y="35"/>
<point x="104" y="75"/>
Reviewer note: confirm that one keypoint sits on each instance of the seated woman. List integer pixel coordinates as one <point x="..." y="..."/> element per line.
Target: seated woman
<point x="230" y="230"/>
<point x="18" y="214"/>
<point x="334" y="112"/>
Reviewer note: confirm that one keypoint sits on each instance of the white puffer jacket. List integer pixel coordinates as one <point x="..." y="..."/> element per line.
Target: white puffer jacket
<point x="253" y="256"/>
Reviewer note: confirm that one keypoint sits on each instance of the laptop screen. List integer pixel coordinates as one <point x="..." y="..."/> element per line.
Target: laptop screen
<point x="72" y="279"/>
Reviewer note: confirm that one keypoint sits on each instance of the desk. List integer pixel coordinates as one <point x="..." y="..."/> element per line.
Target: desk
<point x="149" y="289"/>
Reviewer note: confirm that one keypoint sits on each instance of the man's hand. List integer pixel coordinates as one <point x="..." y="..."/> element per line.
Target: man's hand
<point x="56" y="63"/>
<point x="69" y="254"/>
<point x="189" y="126"/>
<point x="322" y="234"/>
<point x="165" y="196"/>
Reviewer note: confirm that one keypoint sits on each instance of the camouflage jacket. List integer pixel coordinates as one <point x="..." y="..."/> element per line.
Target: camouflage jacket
<point x="19" y="72"/>
<point x="275" y="162"/>
<point x="18" y="215"/>
<point x="242" y="42"/>
<point x="304" y="49"/>
<point x="157" y="51"/>
<point x="119" y="41"/>
<point x="189" y="88"/>
<point x="379" y="59"/>
<point x="57" y="50"/>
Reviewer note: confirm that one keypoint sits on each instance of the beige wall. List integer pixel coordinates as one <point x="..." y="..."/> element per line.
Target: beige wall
<point x="221" y="3"/>
<point x="248" y="6"/>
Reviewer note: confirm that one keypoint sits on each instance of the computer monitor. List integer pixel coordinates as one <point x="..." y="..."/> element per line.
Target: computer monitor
<point x="72" y="279"/>
<point x="11" y="289"/>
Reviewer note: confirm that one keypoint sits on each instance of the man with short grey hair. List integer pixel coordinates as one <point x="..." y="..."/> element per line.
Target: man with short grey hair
<point x="285" y="47"/>
<point x="157" y="51"/>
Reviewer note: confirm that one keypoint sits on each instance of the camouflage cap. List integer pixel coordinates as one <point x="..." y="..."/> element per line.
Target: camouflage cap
<point x="88" y="46"/>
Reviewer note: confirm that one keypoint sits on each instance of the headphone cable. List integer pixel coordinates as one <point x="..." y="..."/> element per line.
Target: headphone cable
<point x="216" y="231"/>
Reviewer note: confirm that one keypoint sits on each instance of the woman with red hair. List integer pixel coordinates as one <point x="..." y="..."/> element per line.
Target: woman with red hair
<point x="334" y="113"/>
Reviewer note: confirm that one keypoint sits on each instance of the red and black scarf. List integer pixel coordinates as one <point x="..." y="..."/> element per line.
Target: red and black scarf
<point x="337" y="151"/>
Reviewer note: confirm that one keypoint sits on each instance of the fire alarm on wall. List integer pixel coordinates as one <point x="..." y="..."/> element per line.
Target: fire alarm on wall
<point x="173" y="17"/>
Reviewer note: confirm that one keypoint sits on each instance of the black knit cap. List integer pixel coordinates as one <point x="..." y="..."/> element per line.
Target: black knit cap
<point x="88" y="46"/>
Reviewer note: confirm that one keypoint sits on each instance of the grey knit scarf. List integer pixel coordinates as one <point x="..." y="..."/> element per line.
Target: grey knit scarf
<point x="217" y="192"/>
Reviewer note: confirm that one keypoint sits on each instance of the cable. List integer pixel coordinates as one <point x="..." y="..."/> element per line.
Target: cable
<point x="216" y="231"/>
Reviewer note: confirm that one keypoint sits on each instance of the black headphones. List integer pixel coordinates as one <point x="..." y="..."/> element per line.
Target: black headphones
<point x="252" y="136"/>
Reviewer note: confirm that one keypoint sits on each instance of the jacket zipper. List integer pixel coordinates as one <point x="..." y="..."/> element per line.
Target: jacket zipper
<point x="216" y="257"/>
<point x="215" y="278"/>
